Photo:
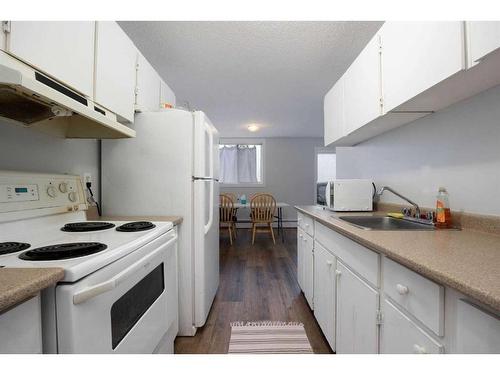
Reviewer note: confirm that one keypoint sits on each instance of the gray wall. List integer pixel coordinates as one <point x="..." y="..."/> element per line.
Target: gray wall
<point x="289" y="173"/>
<point x="28" y="150"/>
<point x="458" y="148"/>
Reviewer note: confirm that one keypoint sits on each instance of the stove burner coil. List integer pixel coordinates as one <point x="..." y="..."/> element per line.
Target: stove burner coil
<point x="87" y="226"/>
<point x="63" y="251"/>
<point x="12" y="247"/>
<point x="136" y="226"/>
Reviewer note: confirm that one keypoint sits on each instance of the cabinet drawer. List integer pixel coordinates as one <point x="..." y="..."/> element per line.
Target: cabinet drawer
<point x="418" y="295"/>
<point x="364" y="261"/>
<point x="306" y="223"/>
<point x="400" y="335"/>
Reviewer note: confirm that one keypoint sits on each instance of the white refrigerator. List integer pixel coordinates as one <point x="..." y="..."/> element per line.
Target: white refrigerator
<point x="172" y="168"/>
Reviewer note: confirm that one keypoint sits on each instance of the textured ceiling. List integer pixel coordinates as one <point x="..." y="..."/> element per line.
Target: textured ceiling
<point x="271" y="73"/>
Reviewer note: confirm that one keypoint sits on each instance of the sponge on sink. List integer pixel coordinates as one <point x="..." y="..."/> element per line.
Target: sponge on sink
<point x="396" y="215"/>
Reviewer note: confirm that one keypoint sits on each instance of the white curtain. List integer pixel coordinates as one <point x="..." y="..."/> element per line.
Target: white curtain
<point x="228" y="156"/>
<point x="238" y="164"/>
<point x="247" y="160"/>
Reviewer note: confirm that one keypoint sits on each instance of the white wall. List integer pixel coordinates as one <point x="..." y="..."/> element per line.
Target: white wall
<point x="28" y="150"/>
<point x="458" y="148"/>
<point x="289" y="173"/>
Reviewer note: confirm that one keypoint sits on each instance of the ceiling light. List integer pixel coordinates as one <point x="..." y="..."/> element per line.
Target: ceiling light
<point x="253" y="127"/>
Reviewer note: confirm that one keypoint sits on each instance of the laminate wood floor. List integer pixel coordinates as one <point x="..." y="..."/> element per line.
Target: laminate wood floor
<point x="257" y="283"/>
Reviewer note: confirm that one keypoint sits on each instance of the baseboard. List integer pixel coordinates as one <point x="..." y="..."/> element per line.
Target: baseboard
<point x="286" y="224"/>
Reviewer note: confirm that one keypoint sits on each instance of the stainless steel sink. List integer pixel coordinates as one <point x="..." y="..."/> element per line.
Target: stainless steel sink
<point x="383" y="223"/>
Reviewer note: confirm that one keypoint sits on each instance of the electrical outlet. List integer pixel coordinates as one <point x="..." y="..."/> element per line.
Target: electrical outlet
<point x="87" y="177"/>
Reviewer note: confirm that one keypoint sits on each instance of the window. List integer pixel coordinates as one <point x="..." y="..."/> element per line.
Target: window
<point x="241" y="163"/>
<point x="326" y="166"/>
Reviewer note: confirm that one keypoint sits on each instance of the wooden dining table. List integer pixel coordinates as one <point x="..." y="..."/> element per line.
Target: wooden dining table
<point x="279" y="217"/>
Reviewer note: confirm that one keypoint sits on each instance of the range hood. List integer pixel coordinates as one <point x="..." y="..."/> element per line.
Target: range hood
<point x="34" y="100"/>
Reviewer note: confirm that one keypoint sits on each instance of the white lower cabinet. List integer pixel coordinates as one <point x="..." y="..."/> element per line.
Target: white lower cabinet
<point x="21" y="328"/>
<point x="305" y="265"/>
<point x="357" y="308"/>
<point x="324" y="291"/>
<point x="400" y="335"/>
<point x="308" y="270"/>
<point x="477" y="330"/>
<point x="367" y="303"/>
<point x="300" y="258"/>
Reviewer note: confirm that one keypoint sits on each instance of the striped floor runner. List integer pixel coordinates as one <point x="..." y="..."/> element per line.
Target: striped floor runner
<point x="268" y="338"/>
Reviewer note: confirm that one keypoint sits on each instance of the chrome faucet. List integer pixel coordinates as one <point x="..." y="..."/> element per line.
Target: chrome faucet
<point x="417" y="208"/>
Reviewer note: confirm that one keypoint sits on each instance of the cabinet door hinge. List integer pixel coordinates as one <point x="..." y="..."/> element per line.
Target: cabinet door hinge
<point x="6" y="27"/>
<point x="380" y="317"/>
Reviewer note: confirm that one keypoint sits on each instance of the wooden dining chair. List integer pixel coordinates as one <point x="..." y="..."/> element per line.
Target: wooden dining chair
<point x="234" y="199"/>
<point x="226" y="215"/>
<point x="262" y="207"/>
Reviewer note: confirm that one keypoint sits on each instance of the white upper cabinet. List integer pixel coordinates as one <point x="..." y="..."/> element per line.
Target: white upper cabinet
<point x="334" y="113"/>
<point x="115" y="70"/>
<point x="483" y="38"/>
<point x="167" y="96"/>
<point x="62" y="50"/>
<point x="417" y="56"/>
<point x="148" y="86"/>
<point x="362" y="88"/>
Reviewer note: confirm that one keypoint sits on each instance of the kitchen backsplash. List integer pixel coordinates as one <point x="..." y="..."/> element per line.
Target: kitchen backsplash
<point x="458" y="148"/>
<point x="27" y="150"/>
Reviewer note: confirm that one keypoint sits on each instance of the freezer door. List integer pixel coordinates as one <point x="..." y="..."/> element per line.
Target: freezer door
<point x="206" y="247"/>
<point x="206" y="147"/>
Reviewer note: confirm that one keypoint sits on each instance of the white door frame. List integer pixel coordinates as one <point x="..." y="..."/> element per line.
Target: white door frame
<point x="317" y="151"/>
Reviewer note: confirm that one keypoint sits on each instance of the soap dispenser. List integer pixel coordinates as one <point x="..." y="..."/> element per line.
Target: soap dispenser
<point x="443" y="213"/>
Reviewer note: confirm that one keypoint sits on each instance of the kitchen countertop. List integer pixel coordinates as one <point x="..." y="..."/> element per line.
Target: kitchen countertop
<point x="20" y="284"/>
<point x="466" y="260"/>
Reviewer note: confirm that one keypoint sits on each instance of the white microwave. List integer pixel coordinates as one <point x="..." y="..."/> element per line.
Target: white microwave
<point x="346" y="195"/>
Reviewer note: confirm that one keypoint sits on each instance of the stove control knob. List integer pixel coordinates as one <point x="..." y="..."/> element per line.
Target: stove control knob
<point x="51" y="191"/>
<point x="72" y="196"/>
<point x="63" y="187"/>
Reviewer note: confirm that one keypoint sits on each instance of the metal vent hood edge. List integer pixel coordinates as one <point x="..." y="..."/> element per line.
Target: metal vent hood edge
<point x="30" y="98"/>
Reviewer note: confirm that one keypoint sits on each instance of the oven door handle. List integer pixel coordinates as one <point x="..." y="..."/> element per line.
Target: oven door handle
<point x="95" y="290"/>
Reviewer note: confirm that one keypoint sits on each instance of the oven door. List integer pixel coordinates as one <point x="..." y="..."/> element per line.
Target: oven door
<point x="123" y="307"/>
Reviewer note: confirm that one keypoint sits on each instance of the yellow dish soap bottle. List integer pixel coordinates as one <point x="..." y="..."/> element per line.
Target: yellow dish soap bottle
<point x="443" y="213"/>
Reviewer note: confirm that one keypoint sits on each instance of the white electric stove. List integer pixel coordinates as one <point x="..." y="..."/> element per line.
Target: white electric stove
<point x="119" y="289"/>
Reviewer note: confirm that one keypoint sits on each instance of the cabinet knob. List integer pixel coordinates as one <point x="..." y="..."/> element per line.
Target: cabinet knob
<point x="329" y="263"/>
<point x="417" y="349"/>
<point x="338" y="273"/>
<point x="301" y="236"/>
<point x="402" y="289"/>
<point x="307" y="225"/>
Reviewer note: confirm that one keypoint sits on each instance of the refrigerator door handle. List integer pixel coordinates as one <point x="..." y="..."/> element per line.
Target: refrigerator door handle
<point x="211" y="148"/>
<point x="211" y="208"/>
